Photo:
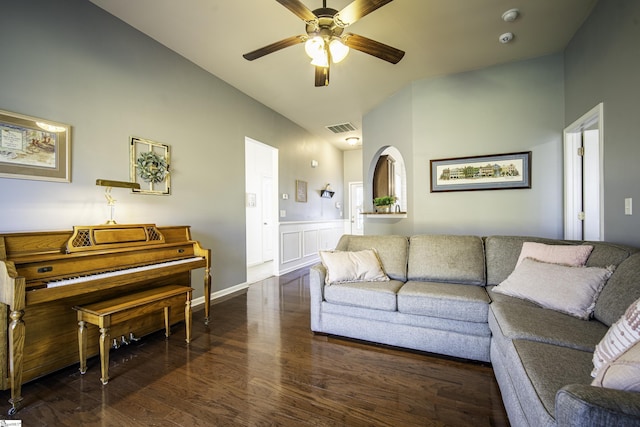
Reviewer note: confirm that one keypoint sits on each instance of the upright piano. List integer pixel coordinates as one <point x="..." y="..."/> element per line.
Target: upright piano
<point x="44" y="274"/>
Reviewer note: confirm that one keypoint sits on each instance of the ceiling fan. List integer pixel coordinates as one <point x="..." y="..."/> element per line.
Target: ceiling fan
<point x="325" y="39"/>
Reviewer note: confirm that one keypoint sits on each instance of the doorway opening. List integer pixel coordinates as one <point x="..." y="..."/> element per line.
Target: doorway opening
<point x="356" y="208"/>
<point x="261" y="205"/>
<point x="390" y="179"/>
<point x="583" y="177"/>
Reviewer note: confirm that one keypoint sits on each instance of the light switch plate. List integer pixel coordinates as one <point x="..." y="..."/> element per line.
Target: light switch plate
<point x="628" y="206"/>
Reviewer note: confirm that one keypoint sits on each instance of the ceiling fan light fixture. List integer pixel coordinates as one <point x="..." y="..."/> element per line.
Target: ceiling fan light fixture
<point x="314" y="47"/>
<point x="338" y="50"/>
<point x="321" y="59"/>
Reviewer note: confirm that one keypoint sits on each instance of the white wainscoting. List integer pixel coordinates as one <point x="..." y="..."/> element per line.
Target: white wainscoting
<point x="300" y="242"/>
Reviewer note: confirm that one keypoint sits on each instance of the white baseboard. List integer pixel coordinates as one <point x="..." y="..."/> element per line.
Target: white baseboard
<point x="307" y="263"/>
<point x="242" y="287"/>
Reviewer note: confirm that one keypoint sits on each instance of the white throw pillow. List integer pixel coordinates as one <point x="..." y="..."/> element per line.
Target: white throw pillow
<point x="571" y="290"/>
<point x="574" y="255"/>
<point x="621" y="336"/>
<point x="357" y="266"/>
<point x="623" y="373"/>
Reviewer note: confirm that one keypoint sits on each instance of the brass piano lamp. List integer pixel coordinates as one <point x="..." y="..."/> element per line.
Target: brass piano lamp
<point x="111" y="202"/>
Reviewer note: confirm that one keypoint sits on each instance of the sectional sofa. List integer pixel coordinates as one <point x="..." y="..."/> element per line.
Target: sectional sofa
<point x="530" y="306"/>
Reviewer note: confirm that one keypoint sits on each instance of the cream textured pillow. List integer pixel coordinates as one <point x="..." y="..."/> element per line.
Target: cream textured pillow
<point x="620" y="337"/>
<point x="571" y="290"/>
<point x="348" y="266"/>
<point x="574" y="255"/>
<point x="623" y="373"/>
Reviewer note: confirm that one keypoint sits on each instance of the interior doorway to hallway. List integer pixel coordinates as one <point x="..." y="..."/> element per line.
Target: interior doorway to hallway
<point x="261" y="204"/>
<point x="583" y="177"/>
<point x="356" y="207"/>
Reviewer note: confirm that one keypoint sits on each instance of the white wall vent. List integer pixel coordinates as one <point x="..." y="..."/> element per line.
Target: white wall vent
<point x="341" y="128"/>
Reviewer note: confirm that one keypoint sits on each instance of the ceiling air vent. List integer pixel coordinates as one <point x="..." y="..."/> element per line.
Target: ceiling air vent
<point x="341" y="128"/>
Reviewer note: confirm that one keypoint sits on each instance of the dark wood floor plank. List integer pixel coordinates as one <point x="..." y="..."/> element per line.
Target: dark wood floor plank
<point x="258" y="364"/>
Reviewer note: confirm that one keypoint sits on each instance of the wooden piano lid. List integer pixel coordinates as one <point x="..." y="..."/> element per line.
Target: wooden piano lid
<point x="100" y="237"/>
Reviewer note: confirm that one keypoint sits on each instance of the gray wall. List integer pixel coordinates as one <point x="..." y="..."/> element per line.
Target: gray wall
<point x="71" y="62"/>
<point x="602" y="64"/>
<point x="507" y="108"/>
<point x="390" y="124"/>
<point x="352" y="172"/>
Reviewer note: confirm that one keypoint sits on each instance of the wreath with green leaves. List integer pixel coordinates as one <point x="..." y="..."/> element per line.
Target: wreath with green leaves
<point x="152" y="167"/>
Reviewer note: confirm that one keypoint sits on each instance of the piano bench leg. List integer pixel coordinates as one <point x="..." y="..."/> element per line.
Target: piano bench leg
<point x="187" y="319"/>
<point x="82" y="345"/>
<point x="167" y="321"/>
<point x="105" y="337"/>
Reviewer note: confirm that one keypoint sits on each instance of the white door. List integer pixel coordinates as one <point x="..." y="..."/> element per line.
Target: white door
<point x="583" y="168"/>
<point x="261" y="186"/>
<point x="356" y="207"/>
<point x="591" y="185"/>
<point x="267" y="218"/>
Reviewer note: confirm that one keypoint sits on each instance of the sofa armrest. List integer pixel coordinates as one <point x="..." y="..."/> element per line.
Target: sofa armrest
<point x="582" y="405"/>
<point x="317" y="274"/>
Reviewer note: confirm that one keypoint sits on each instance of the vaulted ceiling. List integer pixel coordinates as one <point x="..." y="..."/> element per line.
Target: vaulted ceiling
<point x="439" y="37"/>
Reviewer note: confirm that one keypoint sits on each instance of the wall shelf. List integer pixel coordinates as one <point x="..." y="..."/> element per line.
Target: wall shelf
<point x="384" y="215"/>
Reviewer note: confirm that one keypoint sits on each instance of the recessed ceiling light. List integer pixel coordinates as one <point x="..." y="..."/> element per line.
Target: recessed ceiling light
<point x="510" y="15"/>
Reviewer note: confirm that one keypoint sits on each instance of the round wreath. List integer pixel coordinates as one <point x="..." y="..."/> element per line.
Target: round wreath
<point x="152" y="167"/>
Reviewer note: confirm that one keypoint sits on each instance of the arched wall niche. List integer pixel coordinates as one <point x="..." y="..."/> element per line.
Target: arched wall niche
<point x="396" y="179"/>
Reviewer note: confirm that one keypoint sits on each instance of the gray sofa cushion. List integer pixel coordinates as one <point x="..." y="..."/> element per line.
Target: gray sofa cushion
<point x="392" y="250"/>
<point x="428" y="322"/>
<point x="376" y="295"/>
<point x="605" y="254"/>
<point x="549" y="368"/>
<point x="444" y="300"/>
<point x="502" y="253"/>
<point x="580" y="405"/>
<point x="518" y="321"/>
<point x="621" y="290"/>
<point x="447" y="258"/>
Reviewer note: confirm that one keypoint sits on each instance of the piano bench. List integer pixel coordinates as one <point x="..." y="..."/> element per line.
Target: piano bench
<point x="104" y="314"/>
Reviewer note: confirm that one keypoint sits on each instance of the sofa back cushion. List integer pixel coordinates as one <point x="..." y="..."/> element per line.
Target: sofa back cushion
<point x="446" y="258"/>
<point x="392" y="251"/>
<point x="622" y="289"/>
<point x="502" y="253"/>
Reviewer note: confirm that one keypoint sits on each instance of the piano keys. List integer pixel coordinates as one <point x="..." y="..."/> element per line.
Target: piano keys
<point x="44" y="274"/>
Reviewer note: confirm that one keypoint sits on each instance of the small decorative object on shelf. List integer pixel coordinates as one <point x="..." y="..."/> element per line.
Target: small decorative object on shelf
<point x="327" y="192"/>
<point x="383" y="204"/>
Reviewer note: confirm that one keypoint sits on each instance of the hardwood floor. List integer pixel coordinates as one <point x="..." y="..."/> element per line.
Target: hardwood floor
<point x="258" y="364"/>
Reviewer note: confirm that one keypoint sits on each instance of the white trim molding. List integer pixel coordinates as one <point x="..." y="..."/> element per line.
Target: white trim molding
<point x="300" y="242"/>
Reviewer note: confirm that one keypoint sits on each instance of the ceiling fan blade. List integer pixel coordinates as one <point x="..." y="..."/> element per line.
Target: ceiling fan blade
<point x="372" y="47"/>
<point x="322" y="76"/>
<point x="299" y="9"/>
<point x="273" y="47"/>
<point x="356" y="10"/>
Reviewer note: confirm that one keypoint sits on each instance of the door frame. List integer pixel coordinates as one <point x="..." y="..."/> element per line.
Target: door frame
<point x="573" y="183"/>
<point x="275" y="200"/>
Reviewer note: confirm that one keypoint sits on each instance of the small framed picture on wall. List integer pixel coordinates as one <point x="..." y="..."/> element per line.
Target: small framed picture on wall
<point x="301" y="191"/>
